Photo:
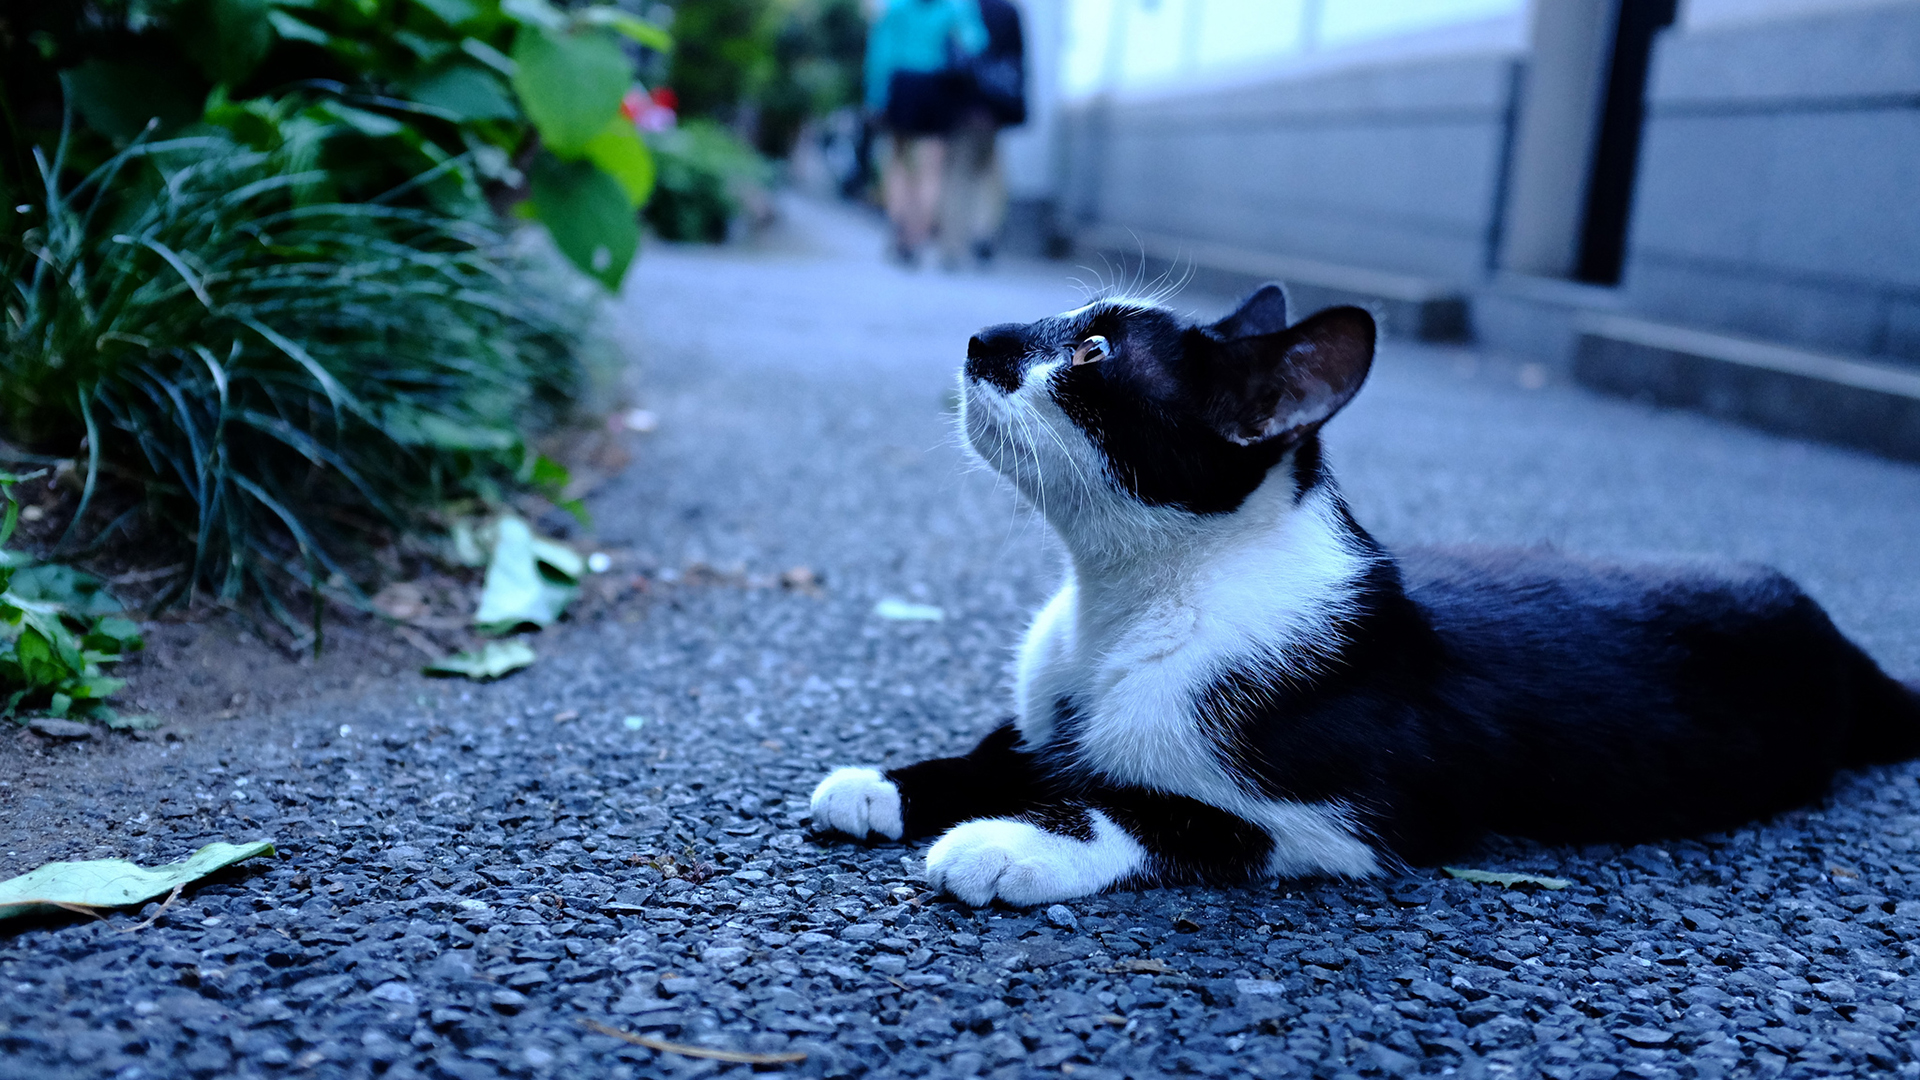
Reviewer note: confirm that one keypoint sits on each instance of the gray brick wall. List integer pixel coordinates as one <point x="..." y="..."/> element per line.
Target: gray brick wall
<point x="1779" y="185"/>
<point x="1396" y="167"/>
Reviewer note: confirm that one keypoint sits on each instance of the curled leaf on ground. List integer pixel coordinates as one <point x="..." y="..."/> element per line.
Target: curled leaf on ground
<point x="1490" y="877"/>
<point x="110" y="883"/>
<point x="529" y="581"/>
<point x="898" y="610"/>
<point x="494" y="660"/>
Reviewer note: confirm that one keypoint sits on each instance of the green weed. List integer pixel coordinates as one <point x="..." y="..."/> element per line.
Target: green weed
<point x="277" y="381"/>
<point x="57" y="629"/>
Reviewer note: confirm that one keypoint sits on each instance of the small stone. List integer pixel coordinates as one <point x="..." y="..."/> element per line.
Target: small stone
<point x="1266" y="988"/>
<point x="1062" y="916"/>
<point x="507" y="1001"/>
<point x="1646" y="1036"/>
<point x="65" y="730"/>
<point x="725" y="956"/>
<point x="1700" y="919"/>
<point x="395" y="991"/>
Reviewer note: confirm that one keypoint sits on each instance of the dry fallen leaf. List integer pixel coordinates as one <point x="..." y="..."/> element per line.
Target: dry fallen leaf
<point x="403" y="600"/>
<point x="738" y="1057"/>
<point x="1489" y="877"/>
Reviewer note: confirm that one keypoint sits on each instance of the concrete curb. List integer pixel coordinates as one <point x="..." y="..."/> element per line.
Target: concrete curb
<point x="1405" y="305"/>
<point x="1792" y="391"/>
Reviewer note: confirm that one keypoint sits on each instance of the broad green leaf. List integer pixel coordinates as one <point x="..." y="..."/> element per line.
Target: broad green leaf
<point x="227" y="39"/>
<point x="294" y="30"/>
<point x="38" y="663"/>
<point x="588" y="215"/>
<point x="66" y="648"/>
<point x="570" y="85"/>
<point x="489" y="56"/>
<point x="548" y="474"/>
<point x="64" y="587"/>
<point x="114" y="635"/>
<point x="534" y="13"/>
<point x="104" y="883"/>
<point x="466" y="90"/>
<point x="516" y="593"/>
<point x="631" y="26"/>
<point x="97" y="687"/>
<point x="429" y="50"/>
<point x="1489" y="877"/>
<point x="496" y="659"/>
<point x="619" y="153"/>
<point x="118" y="99"/>
<point x="451" y="12"/>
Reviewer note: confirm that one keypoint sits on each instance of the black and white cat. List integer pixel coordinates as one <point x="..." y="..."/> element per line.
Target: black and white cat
<point x="1237" y="682"/>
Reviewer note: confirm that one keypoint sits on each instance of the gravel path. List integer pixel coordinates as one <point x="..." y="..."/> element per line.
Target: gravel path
<point x="468" y="874"/>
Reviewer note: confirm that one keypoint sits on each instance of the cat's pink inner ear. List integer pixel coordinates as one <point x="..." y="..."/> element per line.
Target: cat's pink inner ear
<point x="1289" y="383"/>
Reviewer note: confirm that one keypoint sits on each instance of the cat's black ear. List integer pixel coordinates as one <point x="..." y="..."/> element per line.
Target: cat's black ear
<point x="1265" y="312"/>
<point x="1288" y="383"/>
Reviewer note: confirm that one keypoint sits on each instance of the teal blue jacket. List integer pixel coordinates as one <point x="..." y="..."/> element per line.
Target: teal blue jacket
<point x="912" y="35"/>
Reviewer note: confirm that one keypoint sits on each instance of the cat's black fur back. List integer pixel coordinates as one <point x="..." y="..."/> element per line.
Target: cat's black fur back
<point x="1530" y="693"/>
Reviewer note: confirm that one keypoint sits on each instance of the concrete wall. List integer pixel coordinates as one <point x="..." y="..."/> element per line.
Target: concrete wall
<point x="1027" y="151"/>
<point x="1395" y="166"/>
<point x="1779" y="185"/>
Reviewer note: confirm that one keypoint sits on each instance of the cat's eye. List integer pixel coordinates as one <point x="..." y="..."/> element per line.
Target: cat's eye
<point x="1091" y="351"/>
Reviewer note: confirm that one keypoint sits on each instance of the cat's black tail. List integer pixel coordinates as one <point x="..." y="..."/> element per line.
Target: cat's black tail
<point x="1887" y="726"/>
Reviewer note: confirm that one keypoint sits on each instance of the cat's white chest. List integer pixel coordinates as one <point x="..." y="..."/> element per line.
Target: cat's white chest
<point x="1132" y="693"/>
<point x="1134" y="665"/>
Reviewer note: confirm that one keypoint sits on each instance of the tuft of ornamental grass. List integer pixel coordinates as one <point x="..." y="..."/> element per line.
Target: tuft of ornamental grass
<point x="283" y="382"/>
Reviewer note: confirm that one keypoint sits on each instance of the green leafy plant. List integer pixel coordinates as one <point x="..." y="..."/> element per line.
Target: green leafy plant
<point x="275" y="380"/>
<point x="706" y="174"/>
<point x="404" y="102"/>
<point x="58" y="628"/>
<point x="764" y="67"/>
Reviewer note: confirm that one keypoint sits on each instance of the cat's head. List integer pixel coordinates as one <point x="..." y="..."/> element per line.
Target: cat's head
<point x="1121" y="404"/>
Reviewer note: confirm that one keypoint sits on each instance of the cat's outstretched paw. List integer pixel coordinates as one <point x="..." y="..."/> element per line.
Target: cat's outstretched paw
<point x="1024" y="865"/>
<point x="858" y="802"/>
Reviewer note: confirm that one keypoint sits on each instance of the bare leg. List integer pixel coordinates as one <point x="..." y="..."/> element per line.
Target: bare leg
<point x="969" y="161"/>
<point x="928" y="166"/>
<point x="896" y="191"/>
<point x="990" y="197"/>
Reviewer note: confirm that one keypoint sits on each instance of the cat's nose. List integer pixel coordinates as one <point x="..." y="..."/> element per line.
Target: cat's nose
<point x="998" y="355"/>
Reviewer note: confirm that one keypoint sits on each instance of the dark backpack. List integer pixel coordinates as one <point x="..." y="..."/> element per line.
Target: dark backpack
<point x="998" y="72"/>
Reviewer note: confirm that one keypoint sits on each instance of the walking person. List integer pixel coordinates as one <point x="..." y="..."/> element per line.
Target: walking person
<point x="915" y="52"/>
<point x="974" y="205"/>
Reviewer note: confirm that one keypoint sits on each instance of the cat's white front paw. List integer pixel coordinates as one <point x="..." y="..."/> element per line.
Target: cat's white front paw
<point x="1025" y="865"/>
<point x="857" y="802"/>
